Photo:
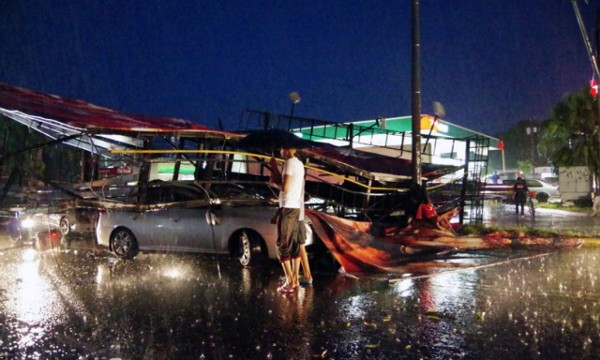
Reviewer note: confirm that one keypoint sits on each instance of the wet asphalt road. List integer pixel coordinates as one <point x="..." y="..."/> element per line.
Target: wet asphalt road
<point x="83" y="303"/>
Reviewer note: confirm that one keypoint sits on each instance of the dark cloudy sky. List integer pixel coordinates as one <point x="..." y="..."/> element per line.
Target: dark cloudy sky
<point x="490" y="62"/>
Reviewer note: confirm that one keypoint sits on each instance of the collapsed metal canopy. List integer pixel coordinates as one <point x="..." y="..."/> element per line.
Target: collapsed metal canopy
<point x="100" y="129"/>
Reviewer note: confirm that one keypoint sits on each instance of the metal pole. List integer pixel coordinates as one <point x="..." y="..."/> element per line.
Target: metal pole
<point x="435" y="119"/>
<point x="294" y="98"/>
<point x="291" y="116"/>
<point x="586" y="40"/>
<point x="416" y="94"/>
<point x="465" y="184"/>
<point x="532" y="142"/>
<point x="596" y="180"/>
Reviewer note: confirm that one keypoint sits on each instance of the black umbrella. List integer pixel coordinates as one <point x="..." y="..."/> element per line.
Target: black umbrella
<point x="272" y="139"/>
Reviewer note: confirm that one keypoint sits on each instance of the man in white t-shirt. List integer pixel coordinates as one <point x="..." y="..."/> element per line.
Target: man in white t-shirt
<point x="291" y="192"/>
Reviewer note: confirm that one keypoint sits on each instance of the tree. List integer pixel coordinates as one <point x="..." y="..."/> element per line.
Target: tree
<point x="525" y="166"/>
<point x="29" y="166"/>
<point x="520" y="143"/>
<point x="570" y="136"/>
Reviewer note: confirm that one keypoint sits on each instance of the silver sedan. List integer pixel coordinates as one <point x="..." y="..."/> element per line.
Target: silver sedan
<point x="188" y="217"/>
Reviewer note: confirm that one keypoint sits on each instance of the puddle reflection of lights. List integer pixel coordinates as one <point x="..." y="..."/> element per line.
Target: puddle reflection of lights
<point x="405" y="288"/>
<point x="173" y="273"/>
<point x="447" y="287"/>
<point x="356" y="308"/>
<point x="27" y="223"/>
<point x="32" y="298"/>
<point x="103" y="274"/>
<point x="29" y="255"/>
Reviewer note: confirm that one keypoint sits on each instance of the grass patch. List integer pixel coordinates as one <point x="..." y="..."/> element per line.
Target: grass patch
<point x="513" y="231"/>
<point x="559" y="206"/>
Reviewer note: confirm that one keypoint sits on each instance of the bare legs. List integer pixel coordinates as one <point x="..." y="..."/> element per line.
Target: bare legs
<point x="288" y="286"/>
<point x="296" y="265"/>
<point x="290" y="269"/>
<point x="307" y="275"/>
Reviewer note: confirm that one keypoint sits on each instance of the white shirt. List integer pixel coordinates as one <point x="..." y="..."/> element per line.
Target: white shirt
<point x="293" y="198"/>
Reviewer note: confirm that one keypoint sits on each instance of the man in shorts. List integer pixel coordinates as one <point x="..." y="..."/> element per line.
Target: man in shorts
<point x="291" y="190"/>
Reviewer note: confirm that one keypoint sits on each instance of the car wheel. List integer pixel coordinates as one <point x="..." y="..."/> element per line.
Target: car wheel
<point x="14" y="232"/>
<point x="249" y="249"/>
<point x="15" y="238"/>
<point x="124" y="244"/>
<point x="542" y="197"/>
<point x="64" y="226"/>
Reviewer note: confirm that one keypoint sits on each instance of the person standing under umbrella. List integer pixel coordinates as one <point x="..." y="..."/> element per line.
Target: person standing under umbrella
<point x="307" y="278"/>
<point x="291" y="190"/>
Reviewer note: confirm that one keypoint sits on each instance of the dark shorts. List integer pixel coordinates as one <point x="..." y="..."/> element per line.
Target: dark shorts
<point x="301" y="232"/>
<point x="288" y="233"/>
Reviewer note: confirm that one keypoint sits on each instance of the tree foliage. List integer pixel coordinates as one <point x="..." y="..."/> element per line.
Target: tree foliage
<point x="26" y="167"/>
<point x="570" y="135"/>
<point x="521" y="150"/>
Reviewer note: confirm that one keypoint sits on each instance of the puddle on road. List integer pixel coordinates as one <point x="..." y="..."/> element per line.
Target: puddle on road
<point x="485" y="305"/>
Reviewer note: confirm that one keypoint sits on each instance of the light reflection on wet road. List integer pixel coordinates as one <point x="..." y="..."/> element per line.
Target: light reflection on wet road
<point x="83" y="303"/>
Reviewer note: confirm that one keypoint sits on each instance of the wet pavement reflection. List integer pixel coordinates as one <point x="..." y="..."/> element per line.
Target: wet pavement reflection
<point x="498" y="213"/>
<point x="84" y="303"/>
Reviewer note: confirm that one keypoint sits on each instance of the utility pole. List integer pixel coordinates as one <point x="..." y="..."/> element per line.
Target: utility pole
<point x="416" y="94"/>
<point x="593" y="59"/>
<point x="595" y="179"/>
<point x="531" y="131"/>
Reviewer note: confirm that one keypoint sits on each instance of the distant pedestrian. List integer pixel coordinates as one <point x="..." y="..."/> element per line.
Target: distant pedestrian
<point x="520" y="191"/>
<point x="495" y="177"/>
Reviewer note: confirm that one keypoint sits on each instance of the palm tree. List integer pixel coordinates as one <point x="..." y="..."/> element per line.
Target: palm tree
<point x="570" y="136"/>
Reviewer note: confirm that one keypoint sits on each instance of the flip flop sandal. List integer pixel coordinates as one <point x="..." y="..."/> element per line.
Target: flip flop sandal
<point x="306" y="282"/>
<point x="285" y="289"/>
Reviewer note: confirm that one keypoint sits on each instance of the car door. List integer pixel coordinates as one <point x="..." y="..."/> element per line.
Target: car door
<point x="534" y="185"/>
<point x="195" y="221"/>
<point x="155" y="223"/>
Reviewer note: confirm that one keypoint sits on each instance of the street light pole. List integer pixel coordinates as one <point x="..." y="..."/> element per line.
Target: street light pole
<point x="531" y="131"/>
<point x="294" y="99"/>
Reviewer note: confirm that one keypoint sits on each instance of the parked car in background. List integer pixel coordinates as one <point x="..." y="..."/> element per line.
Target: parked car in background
<point x="65" y="216"/>
<point x="185" y="216"/>
<point x="542" y="190"/>
<point x="10" y="224"/>
<point x="77" y="219"/>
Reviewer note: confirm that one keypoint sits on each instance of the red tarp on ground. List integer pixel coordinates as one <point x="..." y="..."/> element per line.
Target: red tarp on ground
<point x="357" y="249"/>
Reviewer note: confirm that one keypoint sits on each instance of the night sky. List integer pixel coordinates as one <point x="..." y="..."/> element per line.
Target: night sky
<point x="491" y="63"/>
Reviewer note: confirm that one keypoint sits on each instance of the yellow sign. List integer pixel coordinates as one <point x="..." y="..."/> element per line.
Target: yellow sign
<point x="427" y="121"/>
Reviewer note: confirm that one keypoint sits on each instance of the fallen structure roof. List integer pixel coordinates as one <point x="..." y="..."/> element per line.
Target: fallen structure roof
<point x="100" y="128"/>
